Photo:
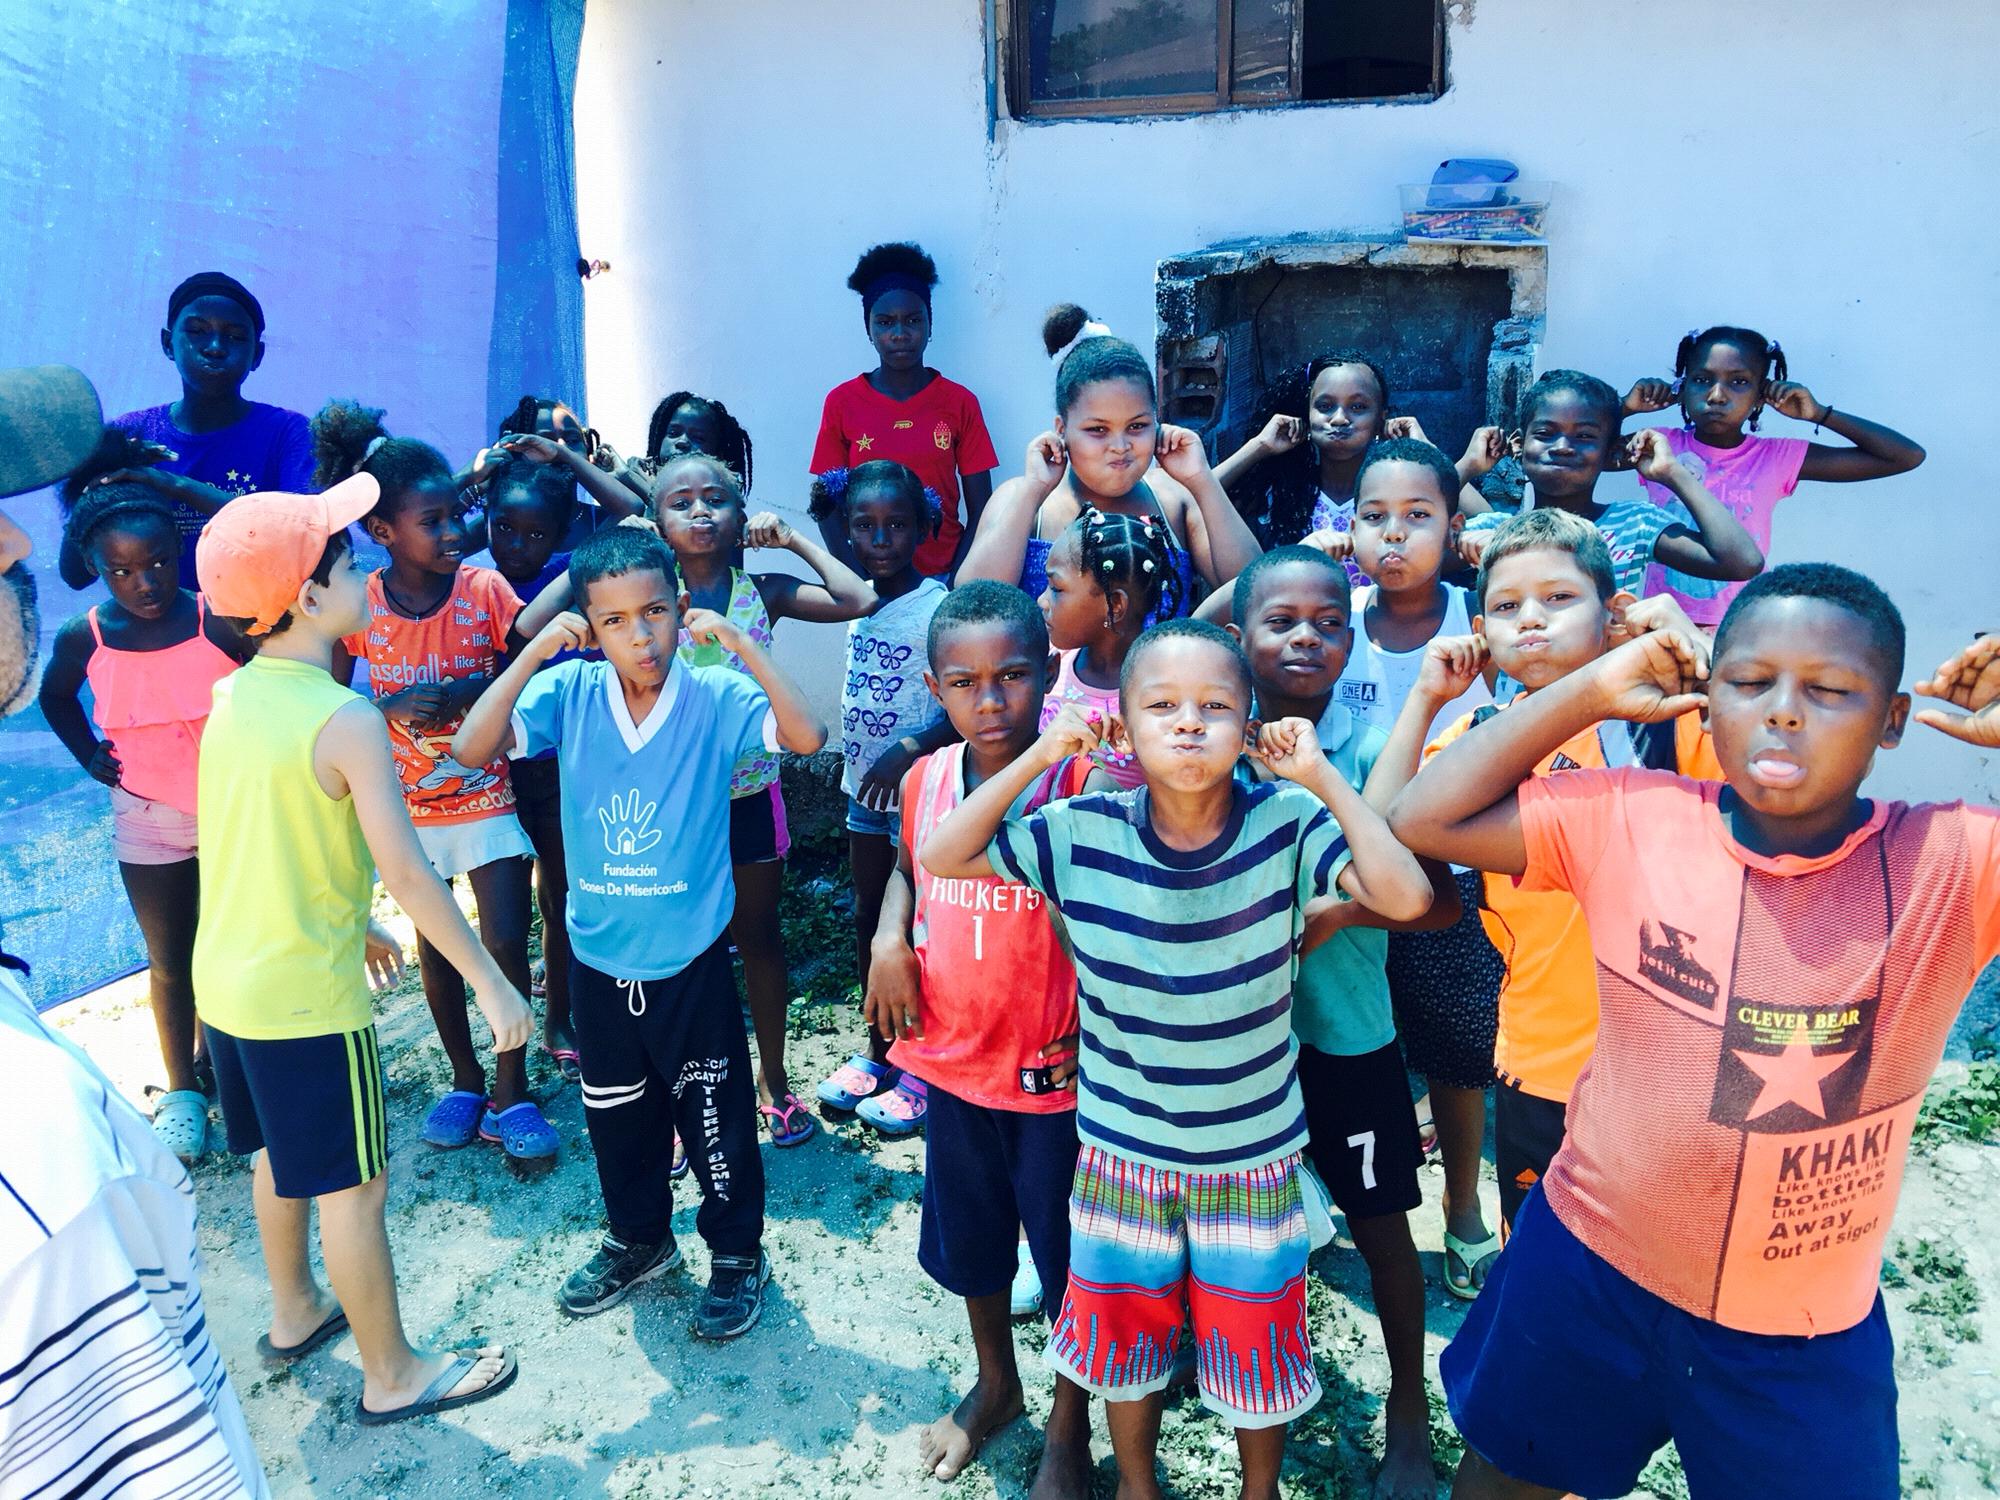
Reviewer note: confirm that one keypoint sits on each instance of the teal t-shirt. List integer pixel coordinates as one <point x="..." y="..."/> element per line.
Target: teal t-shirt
<point x="1340" y="1000"/>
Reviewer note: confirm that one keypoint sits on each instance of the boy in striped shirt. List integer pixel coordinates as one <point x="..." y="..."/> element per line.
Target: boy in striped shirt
<point x="1183" y="900"/>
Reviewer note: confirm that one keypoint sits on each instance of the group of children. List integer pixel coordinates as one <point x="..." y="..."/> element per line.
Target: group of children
<point x="1191" y="808"/>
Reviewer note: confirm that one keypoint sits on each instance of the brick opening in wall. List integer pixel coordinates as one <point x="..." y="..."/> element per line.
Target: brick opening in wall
<point x="1455" y="329"/>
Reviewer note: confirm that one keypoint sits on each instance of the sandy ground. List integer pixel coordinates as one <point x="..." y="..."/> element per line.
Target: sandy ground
<point x="857" y="1348"/>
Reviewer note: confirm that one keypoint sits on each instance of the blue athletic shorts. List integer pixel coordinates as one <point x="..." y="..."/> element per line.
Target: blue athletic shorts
<point x="312" y="1103"/>
<point x="1570" y="1375"/>
<point x="990" y="1174"/>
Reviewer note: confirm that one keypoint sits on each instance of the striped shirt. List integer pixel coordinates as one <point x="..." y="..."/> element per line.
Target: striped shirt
<point x="108" y="1382"/>
<point x="1184" y="963"/>
<point x="1631" y="530"/>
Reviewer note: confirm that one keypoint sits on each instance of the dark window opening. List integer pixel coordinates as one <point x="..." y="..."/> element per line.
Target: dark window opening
<point x="1121" y="57"/>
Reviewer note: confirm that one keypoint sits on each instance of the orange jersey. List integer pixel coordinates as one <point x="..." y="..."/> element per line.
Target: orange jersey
<point x="1548" y="1001"/>
<point x="1768" y="1025"/>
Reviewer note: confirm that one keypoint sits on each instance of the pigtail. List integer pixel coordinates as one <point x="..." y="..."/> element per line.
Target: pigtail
<point x="1683" y="358"/>
<point x="1133" y="553"/>
<point x="1780" y="371"/>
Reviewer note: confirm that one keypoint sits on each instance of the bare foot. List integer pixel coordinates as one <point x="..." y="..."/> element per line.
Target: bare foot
<point x="950" y="1443"/>
<point x="1065" y="1470"/>
<point x="382" y="1396"/>
<point x="291" y="1327"/>
<point x="1406" y="1472"/>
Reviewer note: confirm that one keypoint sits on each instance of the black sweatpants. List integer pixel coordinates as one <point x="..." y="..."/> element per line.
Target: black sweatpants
<point x="661" y="1055"/>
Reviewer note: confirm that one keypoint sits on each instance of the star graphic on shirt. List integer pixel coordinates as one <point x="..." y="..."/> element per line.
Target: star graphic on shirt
<point x="1792" y="1076"/>
<point x="234" y="476"/>
<point x="863" y="443"/>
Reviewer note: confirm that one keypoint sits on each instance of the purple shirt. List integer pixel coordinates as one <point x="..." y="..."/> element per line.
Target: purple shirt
<point x="270" y="449"/>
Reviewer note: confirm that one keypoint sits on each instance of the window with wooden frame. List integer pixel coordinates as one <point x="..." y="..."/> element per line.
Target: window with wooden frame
<point x="1083" y="58"/>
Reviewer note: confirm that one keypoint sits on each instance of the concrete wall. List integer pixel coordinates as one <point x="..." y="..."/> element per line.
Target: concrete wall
<point x="1818" y="172"/>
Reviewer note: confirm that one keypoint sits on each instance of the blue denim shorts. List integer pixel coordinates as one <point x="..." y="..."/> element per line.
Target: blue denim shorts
<point x="867" y="820"/>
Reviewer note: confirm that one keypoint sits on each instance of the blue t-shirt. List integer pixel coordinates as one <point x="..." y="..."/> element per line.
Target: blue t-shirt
<point x="645" y="807"/>
<point x="270" y="449"/>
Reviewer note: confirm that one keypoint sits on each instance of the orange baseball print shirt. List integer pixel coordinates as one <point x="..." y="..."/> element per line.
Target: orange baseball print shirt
<point x="1766" y="1030"/>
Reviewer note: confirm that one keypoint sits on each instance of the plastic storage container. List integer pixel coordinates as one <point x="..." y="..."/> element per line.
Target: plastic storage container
<point x="1476" y="213"/>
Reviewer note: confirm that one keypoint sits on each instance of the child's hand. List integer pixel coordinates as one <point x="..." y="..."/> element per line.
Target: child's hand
<point x="1179" y="451"/>
<point x="532" y="446"/>
<point x="1338" y="545"/>
<point x="1404" y="427"/>
<point x="882" y="783"/>
<point x="1485" y="448"/>
<point x="104" y="764"/>
<point x="1048" y="461"/>
<point x="484" y="464"/>
<point x="1660" y="612"/>
<point x="1075" y="730"/>
<point x="1647" y="451"/>
<point x="419" y="706"/>
<point x="894" y="1002"/>
<point x="385" y="959"/>
<point x="1290" y="747"/>
<point x="1472" y="546"/>
<point x="1452" y="663"/>
<point x="1657" y="677"/>
<point x="767" y="530"/>
<point x="568" y="631"/>
<point x="1971" y="681"/>
<point x="1796" y="402"/>
<point x="1281" y="434"/>
<point x="605" y="457"/>
<point x="1650" y="394"/>
<point x="1061" y="1056"/>
<point x="707" y="628"/>
<point x="507" y="1013"/>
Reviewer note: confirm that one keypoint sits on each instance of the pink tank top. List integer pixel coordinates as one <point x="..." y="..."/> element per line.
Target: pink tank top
<point x="151" y="706"/>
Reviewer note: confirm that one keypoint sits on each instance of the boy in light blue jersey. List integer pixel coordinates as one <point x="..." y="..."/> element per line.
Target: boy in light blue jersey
<point x="645" y="745"/>
<point x="1183" y="903"/>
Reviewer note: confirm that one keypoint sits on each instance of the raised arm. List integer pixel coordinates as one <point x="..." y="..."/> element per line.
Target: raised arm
<point x="956" y="849"/>
<point x="1719" y="547"/>
<point x="488" y="728"/>
<point x="841" y="593"/>
<point x="1280" y="435"/>
<point x="1877" y="453"/>
<point x="1463" y="806"/>
<point x="1382" y="875"/>
<point x="1222" y="543"/>
<point x="610" y="492"/>
<point x="799" y="728"/>
<point x="1452" y="663"/>
<point x="1000" y="546"/>
<point x="352" y="758"/>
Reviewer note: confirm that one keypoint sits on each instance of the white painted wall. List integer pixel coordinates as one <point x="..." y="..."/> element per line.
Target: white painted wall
<point x="1824" y="173"/>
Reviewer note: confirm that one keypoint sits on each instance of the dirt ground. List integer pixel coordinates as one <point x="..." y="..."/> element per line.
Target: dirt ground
<point x="857" y="1348"/>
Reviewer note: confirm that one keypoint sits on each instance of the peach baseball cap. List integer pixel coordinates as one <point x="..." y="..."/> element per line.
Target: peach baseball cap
<point x="256" y="553"/>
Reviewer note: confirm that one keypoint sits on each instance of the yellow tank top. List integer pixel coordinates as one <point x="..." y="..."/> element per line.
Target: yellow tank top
<point x="286" y="877"/>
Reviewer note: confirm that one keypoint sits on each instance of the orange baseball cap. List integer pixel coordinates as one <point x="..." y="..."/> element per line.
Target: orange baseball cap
<point x="256" y="553"/>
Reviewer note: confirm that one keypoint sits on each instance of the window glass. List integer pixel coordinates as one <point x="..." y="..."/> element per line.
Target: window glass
<point x="1120" y="49"/>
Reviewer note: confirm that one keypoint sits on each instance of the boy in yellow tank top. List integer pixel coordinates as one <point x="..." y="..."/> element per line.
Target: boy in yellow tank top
<point x="301" y="787"/>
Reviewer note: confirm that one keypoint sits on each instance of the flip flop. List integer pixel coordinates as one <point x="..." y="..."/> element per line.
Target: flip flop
<point x="568" y="1062"/>
<point x="785" y="1131"/>
<point x="434" y="1399"/>
<point x="334" y="1326"/>
<point x="680" y="1167"/>
<point x="1472" y="1257"/>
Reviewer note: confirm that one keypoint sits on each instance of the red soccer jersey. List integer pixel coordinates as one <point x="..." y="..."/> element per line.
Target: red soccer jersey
<point x="1767" y="1027"/>
<point x="997" y="985"/>
<point x="463" y="637"/>
<point x="939" y="433"/>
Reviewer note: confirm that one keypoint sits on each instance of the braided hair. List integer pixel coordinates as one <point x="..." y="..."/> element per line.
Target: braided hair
<point x="1765" y="354"/>
<point x="552" y="486"/>
<point x="522" y="419"/>
<point x="734" y="438"/>
<point x="90" y="509"/>
<point x="1133" y="553"/>
<point x="1294" y="476"/>
<point x="349" y="438"/>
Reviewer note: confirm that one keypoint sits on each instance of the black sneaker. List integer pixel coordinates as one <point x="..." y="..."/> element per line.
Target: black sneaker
<point x="612" y="1272"/>
<point x="735" y="1298"/>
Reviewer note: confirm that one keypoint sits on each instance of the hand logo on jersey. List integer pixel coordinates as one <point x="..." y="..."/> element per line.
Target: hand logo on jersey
<point x="628" y="826"/>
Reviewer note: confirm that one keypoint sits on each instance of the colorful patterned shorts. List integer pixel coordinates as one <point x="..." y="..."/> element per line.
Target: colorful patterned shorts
<point x="1153" y="1251"/>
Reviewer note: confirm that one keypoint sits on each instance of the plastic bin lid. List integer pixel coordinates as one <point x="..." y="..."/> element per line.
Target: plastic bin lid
<point x="1470" y="180"/>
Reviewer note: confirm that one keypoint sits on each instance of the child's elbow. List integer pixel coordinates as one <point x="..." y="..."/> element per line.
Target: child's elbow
<point x="803" y="739"/>
<point x="1410" y="901"/>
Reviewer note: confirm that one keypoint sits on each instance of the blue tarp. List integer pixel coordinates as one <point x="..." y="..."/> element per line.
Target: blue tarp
<point x="394" y="182"/>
